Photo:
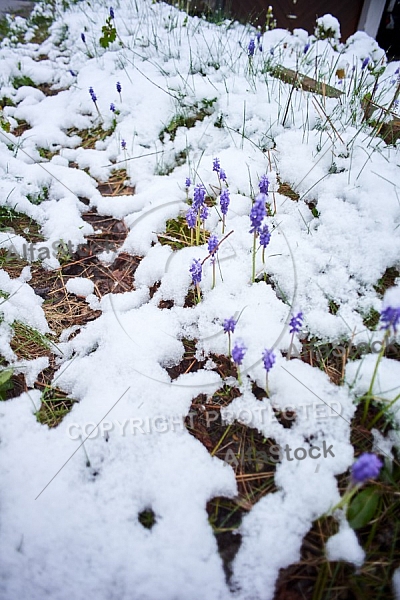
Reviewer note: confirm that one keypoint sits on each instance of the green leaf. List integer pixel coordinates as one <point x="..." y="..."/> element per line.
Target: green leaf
<point x="5" y="376"/>
<point x="363" y="508"/>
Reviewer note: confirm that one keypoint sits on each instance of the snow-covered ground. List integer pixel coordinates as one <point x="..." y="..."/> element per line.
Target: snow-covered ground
<point x="66" y="533"/>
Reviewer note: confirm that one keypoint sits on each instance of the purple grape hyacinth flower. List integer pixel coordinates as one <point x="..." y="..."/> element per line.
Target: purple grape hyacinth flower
<point x="199" y="195"/>
<point x="123" y="145"/>
<point x="296" y="323"/>
<point x="92" y="95"/>
<point x="367" y="466"/>
<point x="216" y="165"/>
<point x="264" y="185"/>
<point x="119" y="87"/>
<point x="222" y="175"/>
<point x="390" y="317"/>
<point x="251" y="47"/>
<point x="365" y="63"/>
<point x="188" y="183"/>
<point x="112" y="12"/>
<point x="269" y="358"/>
<point x="229" y="325"/>
<point x="306" y="48"/>
<point x="238" y="352"/>
<point x="83" y="38"/>
<point x="257" y="214"/>
<point x="196" y="271"/>
<point x="213" y="244"/>
<point x="112" y="107"/>
<point x="204" y="212"/>
<point x="224" y="201"/>
<point x="265" y="236"/>
<point x="191" y="218"/>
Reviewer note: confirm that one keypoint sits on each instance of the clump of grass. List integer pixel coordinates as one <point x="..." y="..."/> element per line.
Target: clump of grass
<point x="188" y="117"/>
<point x="28" y="342"/>
<point x="89" y="137"/>
<point x="55" y="405"/>
<point x="20" y="224"/>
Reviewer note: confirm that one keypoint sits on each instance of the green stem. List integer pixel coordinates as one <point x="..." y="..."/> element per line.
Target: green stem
<point x="253" y="276"/>
<point x="369" y="395"/>
<point x="229" y="344"/>
<point x="213" y="278"/>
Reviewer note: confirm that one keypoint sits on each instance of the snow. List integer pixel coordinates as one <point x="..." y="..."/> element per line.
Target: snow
<point x="69" y="512"/>
<point x="345" y="546"/>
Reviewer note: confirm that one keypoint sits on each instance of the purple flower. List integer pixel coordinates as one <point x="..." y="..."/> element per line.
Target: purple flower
<point x="92" y="94"/>
<point x="118" y="86"/>
<point x="213" y="244"/>
<point x="123" y="145"/>
<point x="199" y="195"/>
<point x="260" y="47"/>
<point x="222" y="175"/>
<point x="72" y="73"/>
<point x="216" y="165"/>
<point x="365" y="63"/>
<point x="229" y="325"/>
<point x="251" y="47"/>
<point x="265" y="236"/>
<point x="367" y="466"/>
<point x="191" y="218"/>
<point x="306" y="48"/>
<point x="188" y="183"/>
<point x="204" y="213"/>
<point x="264" y="185"/>
<point x="268" y="357"/>
<point x="238" y="352"/>
<point x="224" y="200"/>
<point x="257" y="214"/>
<point x="258" y="37"/>
<point x="272" y="50"/>
<point x="296" y="323"/>
<point x="196" y="271"/>
<point x="112" y="107"/>
<point x="112" y="12"/>
<point x="83" y="38"/>
<point x="390" y="317"/>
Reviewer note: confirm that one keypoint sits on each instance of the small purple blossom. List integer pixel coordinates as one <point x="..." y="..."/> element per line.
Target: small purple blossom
<point x="365" y="63"/>
<point x="188" y="183"/>
<point x="224" y="201"/>
<point x="196" y="271"/>
<point x="83" y="38"/>
<point x="222" y="175"/>
<point x="119" y="87"/>
<point x="229" y="325"/>
<point x="260" y="47"/>
<point x="272" y="50"/>
<point x="92" y="95"/>
<point x="265" y="236"/>
<point x="258" y="37"/>
<point x="257" y="214"/>
<point x="238" y="352"/>
<point x="72" y="73"/>
<point x="296" y="323"/>
<point x="112" y="107"/>
<point x="123" y="145"/>
<point x="268" y="357"/>
<point x="191" y="218"/>
<point x="251" y="47"/>
<point x="216" y="165"/>
<point x="213" y="244"/>
<point x="306" y="48"/>
<point x="367" y="466"/>
<point x="264" y="185"/>
<point x="112" y="12"/>
<point x="390" y="317"/>
<point x="199" y="195"/>
<point x="204" y="212"/>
